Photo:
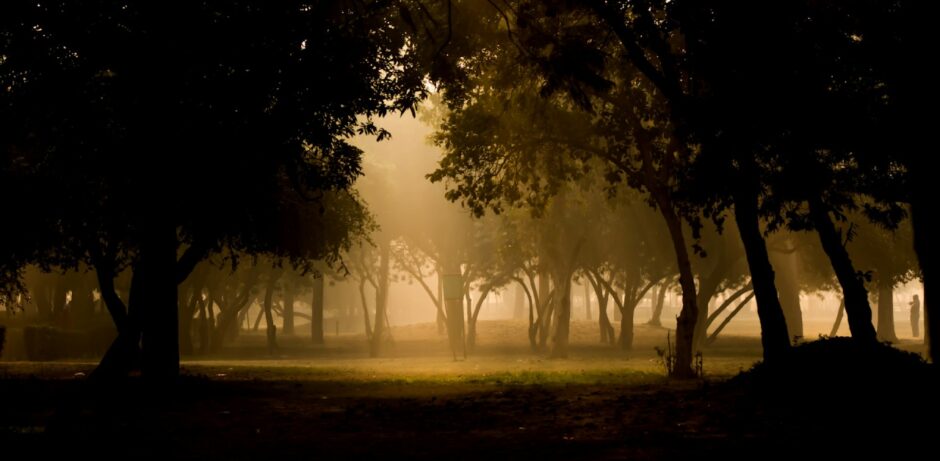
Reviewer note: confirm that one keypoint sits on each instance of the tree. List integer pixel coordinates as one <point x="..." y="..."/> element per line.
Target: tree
<point x="135" y="133"/>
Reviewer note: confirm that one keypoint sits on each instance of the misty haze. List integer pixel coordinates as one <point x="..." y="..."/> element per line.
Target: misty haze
<point x="466" y="229"/>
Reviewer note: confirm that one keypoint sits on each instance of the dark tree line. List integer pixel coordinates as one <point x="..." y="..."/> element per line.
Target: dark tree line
<point x="150" y="137"/>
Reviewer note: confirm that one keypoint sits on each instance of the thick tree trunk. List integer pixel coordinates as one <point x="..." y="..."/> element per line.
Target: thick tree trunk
<point x="774" y="336"/>
<point x="886" y="312"/>
<point x="685" y="324"/>
<point x="562" y="317"/>
<point x="381" y="303"/>
<point x="316" y="313"/>
<point x="121" y="357"/>
<point x="288" y="313"/>
<point x="626" y="325"/>
<point x="857" y="308"/>
<point x="160" y="356"/>
<point x="453" y="305"/>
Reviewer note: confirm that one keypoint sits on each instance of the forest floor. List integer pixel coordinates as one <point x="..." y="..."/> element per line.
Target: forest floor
<point x="331" y="402"/>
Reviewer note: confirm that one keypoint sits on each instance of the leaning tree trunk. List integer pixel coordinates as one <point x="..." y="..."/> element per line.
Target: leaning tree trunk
<point x="656" y="317"/>
<point x="122" y="355"/>
<point x="838" y="322"/>
<point x="685" y="324"/>
<point x="886" y="312"/>
<point x="857" y="308"/>
<point x="707" y="289"/>
<point x="774" y="336"/>
<point x="316" y="312"/>
<point x="472" y="324"/>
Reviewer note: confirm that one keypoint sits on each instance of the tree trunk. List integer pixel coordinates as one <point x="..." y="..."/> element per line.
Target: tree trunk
<point x="607" y="334"/>
<point x="453" y="305"/>
<point x="160" y="355"/>
<point x="316" y="312"/>
<point x="518" y="311"/>
<point x="268" y="317"/>
<point x="685" y="324"/>
<point x="857" y="308"/>
<point x="562" y="317"/>
<point x="381" y="303"/>
<point x="204" y="308"/>
<point x="727" y="319"/>
<point x="472" y="325"/>
<point x="922" y="223"/>
<point x="288" y="313"/>
<point x="727" y="302"/>
<point x="439" y="305"/>
<point x="186" y="312"/>
<point x="656" y="318"/>
<point x="774" y="336"/>
<point x="789" y="290"/>
<point x="626" y="325"/>
<point x="838" y="321"/>
<point x="708" y="287"/>
<point x="587" y="302"/>
<point x="545" y="314"/>
<point x="365" y="309"/>
<point x="122" y="355"/>
<point x="886" y="312"/>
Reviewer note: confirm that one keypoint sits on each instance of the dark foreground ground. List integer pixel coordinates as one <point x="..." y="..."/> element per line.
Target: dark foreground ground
<point x="832" y="404"/>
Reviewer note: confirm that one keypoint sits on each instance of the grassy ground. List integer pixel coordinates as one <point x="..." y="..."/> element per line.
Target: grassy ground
<point x="501" y="402"/>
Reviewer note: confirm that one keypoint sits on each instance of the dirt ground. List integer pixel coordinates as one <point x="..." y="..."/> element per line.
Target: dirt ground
<point x="501" y="402"/>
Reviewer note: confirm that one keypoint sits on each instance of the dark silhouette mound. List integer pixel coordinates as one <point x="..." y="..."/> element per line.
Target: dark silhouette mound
<point x="842" y="396"/>
<point x="831" y="363"/>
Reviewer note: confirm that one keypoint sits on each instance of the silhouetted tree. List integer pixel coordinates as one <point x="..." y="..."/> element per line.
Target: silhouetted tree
<point x="150" y="135"/>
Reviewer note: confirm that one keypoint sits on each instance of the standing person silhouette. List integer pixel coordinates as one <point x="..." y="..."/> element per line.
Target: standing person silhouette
<point x="915" y="316"/>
